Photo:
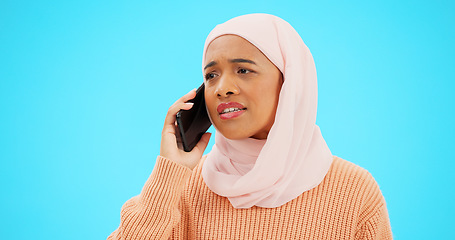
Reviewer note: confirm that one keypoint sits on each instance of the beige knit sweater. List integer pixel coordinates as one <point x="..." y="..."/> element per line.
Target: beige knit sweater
<point x="175" y="203"/>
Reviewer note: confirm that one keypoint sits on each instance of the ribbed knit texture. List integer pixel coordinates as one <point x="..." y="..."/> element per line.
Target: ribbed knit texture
<point x="175" y="203"/>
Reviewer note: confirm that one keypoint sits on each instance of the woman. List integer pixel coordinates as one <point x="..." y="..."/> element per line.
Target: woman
<point x="270" y="174"/>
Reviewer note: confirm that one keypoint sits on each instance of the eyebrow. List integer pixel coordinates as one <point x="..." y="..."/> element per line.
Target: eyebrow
<point x="212" y="63"/>
<point x="235" y="60"/>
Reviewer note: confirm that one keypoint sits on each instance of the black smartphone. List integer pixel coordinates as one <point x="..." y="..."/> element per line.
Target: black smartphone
<point x="193" y="123"/>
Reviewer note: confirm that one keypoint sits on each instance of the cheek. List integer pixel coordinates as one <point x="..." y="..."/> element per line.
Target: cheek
<point x="210" y="103"/>
<point x="265" y="97"/>
<point x="267" y="100"/>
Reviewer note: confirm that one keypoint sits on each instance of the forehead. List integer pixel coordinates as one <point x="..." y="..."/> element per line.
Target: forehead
<point x="232" y="46"/>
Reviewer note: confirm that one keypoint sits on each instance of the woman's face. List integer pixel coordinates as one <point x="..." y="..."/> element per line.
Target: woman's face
<point x="241" y="88"/>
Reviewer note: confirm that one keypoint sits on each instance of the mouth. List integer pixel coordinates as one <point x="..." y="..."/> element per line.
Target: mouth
<point x="230" y="110"/>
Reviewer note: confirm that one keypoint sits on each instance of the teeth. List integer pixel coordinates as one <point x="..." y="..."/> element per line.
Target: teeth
<point x="228" y="110"/>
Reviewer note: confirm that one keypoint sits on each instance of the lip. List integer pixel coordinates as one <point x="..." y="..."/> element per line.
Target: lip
<point x="223" y="106"/>
<point x="230" y="115"/>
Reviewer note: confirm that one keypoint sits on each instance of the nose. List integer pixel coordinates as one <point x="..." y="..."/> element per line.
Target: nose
<point x="226" y="87"/>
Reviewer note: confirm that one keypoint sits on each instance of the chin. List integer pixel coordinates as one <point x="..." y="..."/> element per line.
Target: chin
<point x="235" y="137"/>
<point x="233" y="134"/>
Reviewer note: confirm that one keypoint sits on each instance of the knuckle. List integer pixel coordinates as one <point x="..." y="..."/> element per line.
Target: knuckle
<point x="171" y="110"/>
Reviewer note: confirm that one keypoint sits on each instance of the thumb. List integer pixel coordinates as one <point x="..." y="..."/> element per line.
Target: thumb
<point x="202" y="144"/>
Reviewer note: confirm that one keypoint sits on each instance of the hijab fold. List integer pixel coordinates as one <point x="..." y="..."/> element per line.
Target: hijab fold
<point x="294" y="158"/>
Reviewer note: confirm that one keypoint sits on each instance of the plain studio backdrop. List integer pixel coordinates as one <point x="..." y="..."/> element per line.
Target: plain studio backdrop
<point x="85" y="86"/>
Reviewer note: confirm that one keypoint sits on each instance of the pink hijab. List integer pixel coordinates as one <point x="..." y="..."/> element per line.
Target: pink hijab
<point x="294" y="158"/>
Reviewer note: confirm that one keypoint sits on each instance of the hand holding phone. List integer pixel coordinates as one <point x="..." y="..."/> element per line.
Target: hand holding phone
<point x="169" y="148"/>
<point x="193" y="123"/>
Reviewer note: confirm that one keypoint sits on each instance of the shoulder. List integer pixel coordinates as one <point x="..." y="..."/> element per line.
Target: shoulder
<point x="350" y="173"/>
<point x="354" y="182"/>
<point x="366" y="197"/>
<point x="357" y="183"/>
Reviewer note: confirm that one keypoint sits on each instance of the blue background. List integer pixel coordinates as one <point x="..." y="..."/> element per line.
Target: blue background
<point x="85" y="85"/>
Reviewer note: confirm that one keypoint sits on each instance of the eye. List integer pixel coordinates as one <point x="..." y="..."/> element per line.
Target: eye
<point x="209" y="76"/>
<point x="243" y="71"/>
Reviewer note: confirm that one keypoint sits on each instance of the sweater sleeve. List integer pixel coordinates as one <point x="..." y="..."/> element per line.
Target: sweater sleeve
<point x="155" y="212"/>
<point x="374" y="220"/>
<point x="378" y="226"/>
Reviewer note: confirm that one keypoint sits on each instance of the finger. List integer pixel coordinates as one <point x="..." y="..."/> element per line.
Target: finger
<point x="177" y="134"/>
<point x="202" y="144"/>
<point x="190" y="95"/>
<point x="174" y="108"/>
<point x="185" y="98"/>
<point x="170" y="119"/>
